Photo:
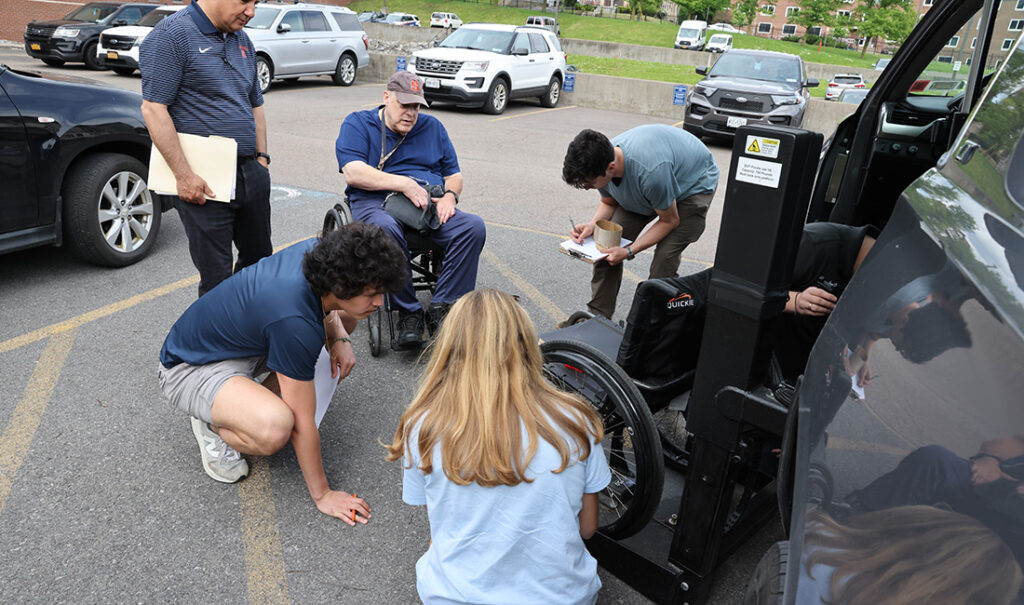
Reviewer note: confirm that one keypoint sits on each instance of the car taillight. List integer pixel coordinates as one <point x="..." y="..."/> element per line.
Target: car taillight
<point x="858" y="86"/>
<point x="832" y="84"/>
<point x="366" y="42"/>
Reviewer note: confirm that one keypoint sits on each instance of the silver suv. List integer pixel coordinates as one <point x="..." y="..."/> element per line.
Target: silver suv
<point x="294" y="40"/>
<point x="486" y="64"/>
<point x="748" y="87"/>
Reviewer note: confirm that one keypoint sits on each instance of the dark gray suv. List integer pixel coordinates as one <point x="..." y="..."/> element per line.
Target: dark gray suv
<point x="748" y="87"/>
<point x="74" y="38"/>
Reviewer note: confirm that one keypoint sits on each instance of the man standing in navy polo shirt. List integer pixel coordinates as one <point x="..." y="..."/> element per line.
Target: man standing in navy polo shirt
<point x="394" y="148"/>
<point x="199" y="77"/>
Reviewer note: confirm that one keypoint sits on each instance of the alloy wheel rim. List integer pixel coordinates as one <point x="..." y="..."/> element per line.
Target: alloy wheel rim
<point x="125" y="212"/>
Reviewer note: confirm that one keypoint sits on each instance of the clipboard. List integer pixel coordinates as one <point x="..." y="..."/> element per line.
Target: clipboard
<point x="215" y="159"/>
<point x="587" y="251"/>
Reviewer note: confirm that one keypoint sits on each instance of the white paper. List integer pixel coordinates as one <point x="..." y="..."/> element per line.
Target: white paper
<point x="587" y="251"/>
<point x="325" y="385"/>
<point x="758" y="172"/>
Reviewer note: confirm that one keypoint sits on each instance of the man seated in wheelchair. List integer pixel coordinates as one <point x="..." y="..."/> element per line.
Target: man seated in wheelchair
<point x="395" y="149"/>
<point x="668" y="312"/>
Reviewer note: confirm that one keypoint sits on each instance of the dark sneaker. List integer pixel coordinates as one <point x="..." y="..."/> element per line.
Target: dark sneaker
<point x="436" y="315"/>
<point x="220" y="461"/>
<point x="410" y="330"/>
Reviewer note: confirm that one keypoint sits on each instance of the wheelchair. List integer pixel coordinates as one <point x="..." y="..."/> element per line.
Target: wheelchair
<point x="589" y="358"/>
<point x="425" y="258"/>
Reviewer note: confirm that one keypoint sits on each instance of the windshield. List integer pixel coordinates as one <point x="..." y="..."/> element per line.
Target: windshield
<point x="479" y="39"/>
<point x="719" y="39"/>
<point x="771" y="69"/>
<point x="91" y="13"/>
<point x="154" y="17"/>
<point x="263" y="18"/>
<point x="689" y="33"/>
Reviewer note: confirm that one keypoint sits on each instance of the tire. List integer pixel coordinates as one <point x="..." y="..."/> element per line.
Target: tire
<point x="264" y="73"/>
<point x="345" y="72"/>
<point x="631" y="441"/>
<point x="374" y="328"/>
<point x="110" y="217"/>
<point x="89" y="56"/>
<point x="53" y="62"/>
<point x="550" y="98"/>
<point x="497" y="98"/>
<point x="768" y="582"/>
<point x="124" y="71"/>
<point x="337" y="216"/>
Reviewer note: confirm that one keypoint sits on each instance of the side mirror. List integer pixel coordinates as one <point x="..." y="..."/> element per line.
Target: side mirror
<point x="520" y="52"/>
<point x="437" y="43"/>
<point x="284" y="28"/>
<point x="702" y="70"/>
<point x="120" y="22"/>
<point x="812" y="82"/>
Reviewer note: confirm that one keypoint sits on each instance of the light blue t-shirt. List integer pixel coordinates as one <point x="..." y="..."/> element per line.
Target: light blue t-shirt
<point x="663" y="164"/>
<point x="513" y="545"/>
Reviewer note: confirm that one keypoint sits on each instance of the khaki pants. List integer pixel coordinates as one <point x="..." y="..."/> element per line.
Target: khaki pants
<point x="607" y="278"/>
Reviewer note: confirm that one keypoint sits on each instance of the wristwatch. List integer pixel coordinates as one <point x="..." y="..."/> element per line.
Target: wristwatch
<point x="266" y="156"/>
<point x="456" y="195"/>
<point x="629" y="253"/>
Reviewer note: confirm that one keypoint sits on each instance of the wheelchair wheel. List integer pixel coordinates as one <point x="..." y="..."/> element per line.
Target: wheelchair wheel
<point x="337" y="216"/>
<point x="374" y="328"/>
<point x="631" y="441"/>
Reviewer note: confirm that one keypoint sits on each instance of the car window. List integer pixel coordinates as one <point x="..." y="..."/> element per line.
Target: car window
<point x="554" y="43"/>
<point x="129" y="15"/>
<point x="347" y="22"/>
<point x="90" y="14"/>
<point x="522" y="42"/>
<point x="314" y="21"/>
<point x="263" y="18"/>
<point x="294" y="19"/>
<point x="537" y="44"/>
<point x="847" y="79"/>
<point x="154" y="17"/>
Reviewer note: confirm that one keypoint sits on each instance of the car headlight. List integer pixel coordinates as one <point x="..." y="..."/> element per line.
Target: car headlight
<point x="475" y="65"/>
<point x="138" y="42"/>
<point x="704" y="89"/>
<point x="786" y="99"/>
<point x="65" y="32"/>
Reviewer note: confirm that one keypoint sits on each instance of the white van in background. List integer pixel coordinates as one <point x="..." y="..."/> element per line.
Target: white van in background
<point x="719" y="43"/>
<point x="691" y="35"/>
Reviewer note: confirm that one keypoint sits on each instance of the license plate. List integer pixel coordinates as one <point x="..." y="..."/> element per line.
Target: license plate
<point x="733" y="122"/>
<point x="111" y="55"/>
<point x="35" y="46"/>
<point x="432" y="82"/>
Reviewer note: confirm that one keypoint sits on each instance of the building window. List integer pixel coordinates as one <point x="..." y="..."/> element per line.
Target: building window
<point x="974" y="41"/>
<point x="1020" y="5"/>
<point x="953" y="42"/>
<point x="788" y="30"/>
<point x="846" y="13"/>
<point x="946" y="59"/>
<point x="967" y="60"/>
<point x="764" y="28"/>
<point x="767" y="9"/>
<point x="814" y="31"/>
<point x="1007" y="43"/>
<point x="927" y="2"/>
<point x="1016" y="25"/>
<point x="792" y="10"/>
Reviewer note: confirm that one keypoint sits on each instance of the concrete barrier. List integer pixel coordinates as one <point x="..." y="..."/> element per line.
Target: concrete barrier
<point x="645" y="97"/>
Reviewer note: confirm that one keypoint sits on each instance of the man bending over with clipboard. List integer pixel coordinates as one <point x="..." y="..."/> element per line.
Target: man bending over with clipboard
<point x="652" y="171"/>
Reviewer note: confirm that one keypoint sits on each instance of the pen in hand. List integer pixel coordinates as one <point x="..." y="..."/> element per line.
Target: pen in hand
<point x="572" y="226"/>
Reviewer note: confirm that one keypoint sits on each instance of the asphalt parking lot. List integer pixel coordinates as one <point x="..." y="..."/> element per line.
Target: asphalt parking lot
<point x="102" y="494"/>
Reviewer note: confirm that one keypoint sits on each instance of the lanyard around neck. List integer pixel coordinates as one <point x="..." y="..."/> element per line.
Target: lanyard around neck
<point x="383" y="143"/>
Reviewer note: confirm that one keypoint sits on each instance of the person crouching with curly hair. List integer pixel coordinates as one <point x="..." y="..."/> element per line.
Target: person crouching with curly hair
<point x="280" y="315"/>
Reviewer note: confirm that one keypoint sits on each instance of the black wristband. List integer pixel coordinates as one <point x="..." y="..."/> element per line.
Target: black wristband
<point x="266" y="156"/>
<point x="455" y="195"/>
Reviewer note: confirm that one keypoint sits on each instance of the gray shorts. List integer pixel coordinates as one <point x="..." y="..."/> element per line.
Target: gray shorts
<point x="192" y="389"/>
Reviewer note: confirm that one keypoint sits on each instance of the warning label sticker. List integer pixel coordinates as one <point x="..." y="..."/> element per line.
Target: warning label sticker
<point x="758" y="172"/>
<point x="764" y="147"/>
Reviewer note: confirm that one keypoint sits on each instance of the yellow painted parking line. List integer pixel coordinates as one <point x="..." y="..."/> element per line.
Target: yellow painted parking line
<point x="545" y="303"/>
<point x="678" y="124"/>
<point x="21" y="429"/>
<point x="531" y="113"/>
<point x="261" y="538"/>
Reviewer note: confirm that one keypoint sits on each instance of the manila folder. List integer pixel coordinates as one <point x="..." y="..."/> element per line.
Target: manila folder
<point x="212" y="158"/>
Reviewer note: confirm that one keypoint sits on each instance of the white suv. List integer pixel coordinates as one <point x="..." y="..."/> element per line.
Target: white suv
<point x="445" y="20"/>
<point x="486" y="64"/>
<point x="119" y="46"/>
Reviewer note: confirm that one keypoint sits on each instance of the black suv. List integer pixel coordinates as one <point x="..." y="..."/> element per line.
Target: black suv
<point x="74" y="38"/>
<point x="748" y="87"/>
<point x="73" y="163"/>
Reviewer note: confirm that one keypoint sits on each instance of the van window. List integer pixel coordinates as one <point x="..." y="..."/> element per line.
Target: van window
<point x="437" y="16"/>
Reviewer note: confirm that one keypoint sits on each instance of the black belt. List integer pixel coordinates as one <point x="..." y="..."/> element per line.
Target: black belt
<point x="247" y="157"/>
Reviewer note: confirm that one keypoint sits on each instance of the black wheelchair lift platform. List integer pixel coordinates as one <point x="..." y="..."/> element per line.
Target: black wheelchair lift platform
<point x="720" y="487"/>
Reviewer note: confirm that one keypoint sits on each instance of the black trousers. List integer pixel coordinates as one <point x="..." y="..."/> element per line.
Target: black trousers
<point x="244" y="221"/>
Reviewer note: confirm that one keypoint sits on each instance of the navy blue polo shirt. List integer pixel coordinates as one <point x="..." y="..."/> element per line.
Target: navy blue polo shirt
<point x="426" y="153"/>
<point x="267" y="309"/>
<point x="207" y="79"/>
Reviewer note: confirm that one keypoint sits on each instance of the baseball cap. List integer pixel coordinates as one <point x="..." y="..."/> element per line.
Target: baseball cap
<point x="408" y="87"/>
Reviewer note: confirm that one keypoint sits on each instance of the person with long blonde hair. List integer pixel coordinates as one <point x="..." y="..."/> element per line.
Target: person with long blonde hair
<point x="507" y="466"/>
<point x="908" y="555"/>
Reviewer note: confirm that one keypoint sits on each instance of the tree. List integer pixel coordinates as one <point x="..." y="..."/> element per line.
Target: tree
<point x="745" y="12"/>
<point x="642" y="8"/>
<point x="890" y="19"/>
<point x="815" y="13"/>
<point x="700" y="9"/>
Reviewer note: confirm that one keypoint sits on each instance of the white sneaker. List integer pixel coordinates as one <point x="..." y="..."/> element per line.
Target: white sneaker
<point x="220" y="460"/>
